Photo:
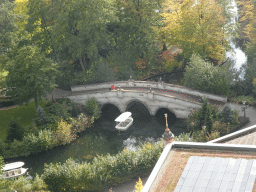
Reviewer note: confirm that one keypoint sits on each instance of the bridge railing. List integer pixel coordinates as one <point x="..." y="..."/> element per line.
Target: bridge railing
<point x="148" y="84"/>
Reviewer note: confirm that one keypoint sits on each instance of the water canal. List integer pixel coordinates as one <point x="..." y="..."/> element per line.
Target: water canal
<point x="102" y="138"/>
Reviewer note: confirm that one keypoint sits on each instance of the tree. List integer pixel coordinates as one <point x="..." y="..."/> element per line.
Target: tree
<point x="15" y="131"/>
<point x="31" y="75"/>
<point x="93" y="107"/>
<point x="247" y="21"/>
<point x="196" y="27"/>
<point x="7" y="25"/>
<point x="39" y="23"/>
<point x="41" y="117"/>
<point x="207" y="77"/>
<point x="79" y="30"/>
<point x="133" y="36"/>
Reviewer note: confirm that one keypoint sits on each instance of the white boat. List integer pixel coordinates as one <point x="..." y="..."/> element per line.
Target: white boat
<point x="13" y="170"/>
<point x="124" y="121"/>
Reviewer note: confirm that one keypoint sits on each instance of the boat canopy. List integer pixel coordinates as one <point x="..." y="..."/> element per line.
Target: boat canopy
<point x="123" y="116"/>
<point x="13" y="165"/>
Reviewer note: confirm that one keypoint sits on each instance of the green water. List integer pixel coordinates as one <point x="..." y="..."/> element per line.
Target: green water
<point x="102" y="138"/>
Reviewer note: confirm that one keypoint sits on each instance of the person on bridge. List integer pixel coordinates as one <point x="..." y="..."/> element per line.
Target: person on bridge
<point x="113" y="87"/>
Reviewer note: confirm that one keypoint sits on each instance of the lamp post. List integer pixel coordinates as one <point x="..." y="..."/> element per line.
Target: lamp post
<point x="244" y="108"/>
<point x="168" y="135"/>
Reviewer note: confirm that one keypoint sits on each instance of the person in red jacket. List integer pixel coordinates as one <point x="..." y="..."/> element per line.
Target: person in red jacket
<point x="113" y="87"/>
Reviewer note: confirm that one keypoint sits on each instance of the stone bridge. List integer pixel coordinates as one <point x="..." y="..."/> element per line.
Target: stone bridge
<point x="154" y="95"/>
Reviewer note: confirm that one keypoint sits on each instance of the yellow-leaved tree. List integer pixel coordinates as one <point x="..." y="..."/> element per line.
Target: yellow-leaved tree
<point x="139" y="186"/>
<point x="195" y="27"/>
<point x="247" y="19"/>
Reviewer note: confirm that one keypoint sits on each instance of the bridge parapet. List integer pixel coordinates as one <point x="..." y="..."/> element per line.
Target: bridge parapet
<point x="148" y="84"/>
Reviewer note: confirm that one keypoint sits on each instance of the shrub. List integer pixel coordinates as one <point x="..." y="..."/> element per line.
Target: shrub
<point x="15" y="131"/>
<point x="63" y="133"/>
<point x="3" y="146"/>
<point x="189" y="137"/>
<point x="240" y="99"/>
<point x="204" y="76"/>
<point x="81" y="123"/>
<point x="59" y="108"/>
<point x="22" y="184"/>
<point x="41" y="117"/>
<point x="203" y="116"/>
<point x="92" y="106"/>
<point x="221" y="127"/>
<point x="104" y="171"/>
<point x="227" y="115"/>
<point x="76" y="109"/>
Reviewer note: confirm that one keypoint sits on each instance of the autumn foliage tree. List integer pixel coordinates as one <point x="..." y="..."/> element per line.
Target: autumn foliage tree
<point x="195" y="27"/>
<point x="247" y="21"/>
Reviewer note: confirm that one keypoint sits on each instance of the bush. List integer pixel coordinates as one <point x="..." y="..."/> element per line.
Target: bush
<point x="3" y="146"/>
<point x="104" y="171"/>
<point x="76" y="109"/>
<point x="59" y="108"/>
<point x="41" y="117"/>
<point x="204" y="116"/>
<point x="240" y="99"/>
<point x="227" y="115"/>
<point x="206" y="77"/>
<point x="92" y="106"/>
<point x="15" y="131"/>
<point x="63" y="133"/>
<point x="187" y="137"/>
<point x="22" y="184"/>
<point x="221" y="127"/>
<point x="81" y="123"/>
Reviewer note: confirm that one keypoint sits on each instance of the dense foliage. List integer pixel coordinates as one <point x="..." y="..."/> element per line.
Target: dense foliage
<point x="65" y="119"/>
<point x="97" y="41"/>
<point x="15" y="131"/>
<point x="207" y="77"/>
<point x="93" y="107"/>
<point x="104" y="171"/>
<point x="208" y="123"/>
<point x="31" y="75"/>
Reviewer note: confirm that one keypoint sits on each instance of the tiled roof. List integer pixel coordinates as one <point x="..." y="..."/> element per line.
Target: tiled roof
<point x="219" y="174"/>
<point x="209" y="167"/>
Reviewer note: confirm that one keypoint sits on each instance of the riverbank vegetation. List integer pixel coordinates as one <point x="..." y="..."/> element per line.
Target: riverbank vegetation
<point x="208" y="123"/>
<point x="59" y="126"/>
<point x="104" y="172"/>
<point x="24" y="114"/>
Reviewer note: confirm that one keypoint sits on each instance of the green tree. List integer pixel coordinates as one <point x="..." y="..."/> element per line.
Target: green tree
<point x="207" y="77"/>
<point x="93" y="107"/>
<point x="7" y="25"/>
<point x="196" y="27"/>
<point x="1" y="164"/>
<point x="79" y="30"/>
<point x="41" y="117"/>
<point x="31" y="75"/>
<point x="134" y="35"/>
<point x="15" y="131"/>
<point x="39" y="22"/>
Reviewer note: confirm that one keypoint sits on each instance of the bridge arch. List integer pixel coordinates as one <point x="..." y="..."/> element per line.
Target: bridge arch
<point x="139" y="101"/>
<point x="167" y="109"/>
<point x="171" y="116"/>
<point x="111" y="103"/>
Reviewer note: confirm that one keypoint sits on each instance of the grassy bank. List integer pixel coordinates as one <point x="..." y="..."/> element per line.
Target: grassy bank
<point x="24" y="114"/>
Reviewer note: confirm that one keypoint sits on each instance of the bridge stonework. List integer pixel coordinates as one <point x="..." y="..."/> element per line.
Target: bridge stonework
<point x="153" y="102"/>
<point x="121" y="97"/>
